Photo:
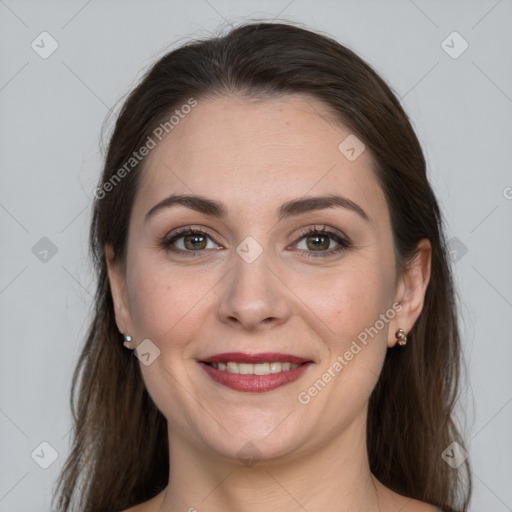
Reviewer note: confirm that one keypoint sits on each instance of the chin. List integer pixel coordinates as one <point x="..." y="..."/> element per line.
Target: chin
<point x="259" y="438"/>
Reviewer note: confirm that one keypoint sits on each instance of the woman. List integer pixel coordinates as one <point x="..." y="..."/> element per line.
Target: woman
<point x="271" y="253"/>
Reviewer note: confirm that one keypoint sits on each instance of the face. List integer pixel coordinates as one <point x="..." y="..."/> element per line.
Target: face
<point x="311" y="313"/>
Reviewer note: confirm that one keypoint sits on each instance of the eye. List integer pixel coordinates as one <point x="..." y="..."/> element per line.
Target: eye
<point x="187" y="242"/>
<point x="318" y="243"/>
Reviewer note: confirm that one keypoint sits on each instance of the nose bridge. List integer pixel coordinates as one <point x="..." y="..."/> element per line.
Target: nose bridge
<point x="254" y="295"/>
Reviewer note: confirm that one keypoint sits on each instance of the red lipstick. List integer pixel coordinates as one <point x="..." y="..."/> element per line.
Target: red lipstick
<point x="257" y="373"/>
<point x="266" y="357"/>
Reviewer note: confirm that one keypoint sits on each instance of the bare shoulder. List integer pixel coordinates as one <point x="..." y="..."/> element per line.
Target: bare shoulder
<point x="402" y="503"/>
<point x="418" y="506"/>
<point x="410" y="506"/>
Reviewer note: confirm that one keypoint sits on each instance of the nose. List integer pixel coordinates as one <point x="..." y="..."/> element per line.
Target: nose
<point x="254" y="297"/>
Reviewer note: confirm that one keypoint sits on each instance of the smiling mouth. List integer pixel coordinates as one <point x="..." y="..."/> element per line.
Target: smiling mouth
<point x="255" y="372"/>
<point x="254" y="369"/>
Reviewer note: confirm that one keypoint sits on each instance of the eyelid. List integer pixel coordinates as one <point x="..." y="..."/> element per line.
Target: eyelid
<point x="322" y="229"/>
<point x="186" y="230"/>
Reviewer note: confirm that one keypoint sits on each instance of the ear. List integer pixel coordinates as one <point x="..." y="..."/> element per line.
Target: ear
<point x="410" y="291"/>
<point x="117" y="281"/>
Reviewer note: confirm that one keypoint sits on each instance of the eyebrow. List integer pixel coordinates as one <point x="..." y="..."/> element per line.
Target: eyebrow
<point x="217" y="209"/>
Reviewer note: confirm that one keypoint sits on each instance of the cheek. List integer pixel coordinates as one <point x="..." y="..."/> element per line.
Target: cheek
<point x="163" y="300"/>
<point x="347" y="300"/>
<point x="350" y="303"/>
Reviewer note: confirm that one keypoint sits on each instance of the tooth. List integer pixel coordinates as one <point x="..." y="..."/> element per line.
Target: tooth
<point x="255" y="369"/>
<point x="262" y="369"/>
<point x="275" y="367"/>
<point x="233" y="367"/>
<point x="246" y="369"/>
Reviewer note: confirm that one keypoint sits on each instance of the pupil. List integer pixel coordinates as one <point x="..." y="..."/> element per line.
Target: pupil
<point x="194" y="244"/>
<point x="320" y="245"/>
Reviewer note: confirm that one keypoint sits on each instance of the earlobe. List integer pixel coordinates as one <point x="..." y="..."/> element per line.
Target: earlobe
<point x="118" y="290"/>
<point x="411" y="290"/>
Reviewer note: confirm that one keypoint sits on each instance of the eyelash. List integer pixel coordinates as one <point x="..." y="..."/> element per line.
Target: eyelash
<point x="343" y="243"/>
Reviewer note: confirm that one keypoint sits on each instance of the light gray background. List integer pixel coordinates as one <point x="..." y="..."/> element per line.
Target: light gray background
<point x="52" y="111"/>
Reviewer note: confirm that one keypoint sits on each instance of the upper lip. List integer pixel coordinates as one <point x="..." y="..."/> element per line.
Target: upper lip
<point x="266" y="357"/>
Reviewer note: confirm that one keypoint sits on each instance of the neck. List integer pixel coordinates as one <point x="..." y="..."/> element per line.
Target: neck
<point x="337" y="472"/>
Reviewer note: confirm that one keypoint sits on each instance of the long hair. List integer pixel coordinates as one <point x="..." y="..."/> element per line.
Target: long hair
<point x="119" y="454"/>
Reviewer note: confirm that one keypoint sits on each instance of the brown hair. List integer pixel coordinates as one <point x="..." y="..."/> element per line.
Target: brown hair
<point x="119" y="455"/>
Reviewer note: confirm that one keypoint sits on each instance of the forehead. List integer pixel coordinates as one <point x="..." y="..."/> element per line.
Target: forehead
<point x="256" y="155"/>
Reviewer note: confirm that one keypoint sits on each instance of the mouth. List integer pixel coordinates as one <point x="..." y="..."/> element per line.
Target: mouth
<point x="254" y="372"/>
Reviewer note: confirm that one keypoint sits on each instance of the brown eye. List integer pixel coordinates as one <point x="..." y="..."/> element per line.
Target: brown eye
<point x="194" y="242"/>
<point x="318" y="243"/>
<point x="188" y="242"/>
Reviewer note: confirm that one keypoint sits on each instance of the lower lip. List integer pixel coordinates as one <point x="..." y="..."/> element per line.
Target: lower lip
<point x="255" y="383"/>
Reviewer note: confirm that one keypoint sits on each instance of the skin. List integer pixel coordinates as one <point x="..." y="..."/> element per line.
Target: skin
<point x="253" y="157"/>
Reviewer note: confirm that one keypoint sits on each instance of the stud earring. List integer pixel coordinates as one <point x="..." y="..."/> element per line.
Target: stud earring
<point x="402" y="337"/>
<point x="127" y="341"/>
